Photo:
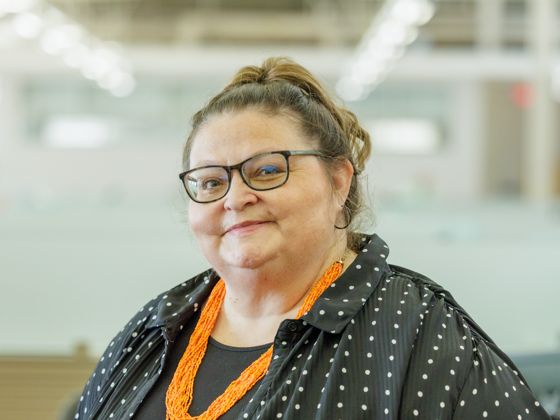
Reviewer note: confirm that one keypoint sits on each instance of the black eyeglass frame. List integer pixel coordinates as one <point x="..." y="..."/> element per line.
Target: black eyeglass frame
<point x="230" y="168"/>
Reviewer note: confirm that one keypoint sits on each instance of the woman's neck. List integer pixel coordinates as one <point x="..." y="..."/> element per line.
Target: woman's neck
<point x="259" y="300"/>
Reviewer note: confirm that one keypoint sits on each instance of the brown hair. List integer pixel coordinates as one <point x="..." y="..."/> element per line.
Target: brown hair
<point x="280" y="85"/>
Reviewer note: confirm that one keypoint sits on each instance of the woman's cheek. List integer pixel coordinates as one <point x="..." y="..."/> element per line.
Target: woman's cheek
<point x="201" y="221"/>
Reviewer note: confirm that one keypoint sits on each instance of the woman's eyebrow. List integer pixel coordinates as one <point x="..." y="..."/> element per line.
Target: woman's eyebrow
<point x="258" y="152"/>
<point x="204" y="163"/>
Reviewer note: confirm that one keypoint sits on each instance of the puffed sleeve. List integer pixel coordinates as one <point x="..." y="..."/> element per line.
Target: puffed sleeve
<point x="494" y="389"/>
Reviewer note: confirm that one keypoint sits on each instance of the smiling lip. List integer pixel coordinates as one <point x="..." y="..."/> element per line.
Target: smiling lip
<point x="245" y="227"/>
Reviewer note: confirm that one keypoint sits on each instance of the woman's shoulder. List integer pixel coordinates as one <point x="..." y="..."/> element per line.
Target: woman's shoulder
<point x="400" y="273"/>
<point x="173" y="307"/>
<point x="140" y="343"/>
<point x="438" y="312"/>
<point x="443" y="328"/>
<point x="467" y="373"/>
<point x="434" y="299"/>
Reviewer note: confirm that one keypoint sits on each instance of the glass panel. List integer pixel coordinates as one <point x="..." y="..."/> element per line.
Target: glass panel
<point x="64" y="113"/>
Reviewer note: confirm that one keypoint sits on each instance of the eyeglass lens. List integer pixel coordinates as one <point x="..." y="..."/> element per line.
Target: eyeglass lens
<point x="262" y="172"/>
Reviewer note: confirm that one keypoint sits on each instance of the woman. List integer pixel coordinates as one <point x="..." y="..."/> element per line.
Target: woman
<point x="300" y="316"/>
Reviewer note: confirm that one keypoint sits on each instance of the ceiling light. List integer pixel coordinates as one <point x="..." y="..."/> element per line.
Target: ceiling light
<point x="384" y="42"/>
<point x="125" y="87"/>
<point x="27" y="25"/>
<point x="391" y="32"/>
<point x="60" y="38"/>
<point x="413" y="12"/>
<point x="418" y="136"/>
<point x="77" y="131"/>
<point x="75" y="56"/>
<point x="59" y="35"/>
<point x="351" y="90"/>
<point x="16" y="6"/>
<point x="99" y="63"/>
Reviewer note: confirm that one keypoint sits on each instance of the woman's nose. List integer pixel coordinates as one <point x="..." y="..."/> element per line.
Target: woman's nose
<point x="239" y="194"/>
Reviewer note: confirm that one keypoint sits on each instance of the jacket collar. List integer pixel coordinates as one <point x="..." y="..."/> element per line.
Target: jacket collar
<point x="331" y="312"/>
<point x="338" y="305"/>
<point x="176" y="306"/>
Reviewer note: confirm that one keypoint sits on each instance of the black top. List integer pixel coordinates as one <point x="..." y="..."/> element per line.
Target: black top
<point x="220" y="366"/>
<point x="382" y="342"/>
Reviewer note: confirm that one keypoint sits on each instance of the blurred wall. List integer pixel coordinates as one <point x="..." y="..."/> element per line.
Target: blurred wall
<point x="463" y="184"/>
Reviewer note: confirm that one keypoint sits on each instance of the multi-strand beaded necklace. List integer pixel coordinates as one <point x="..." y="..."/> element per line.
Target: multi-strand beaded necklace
<point x="180" y="392"/>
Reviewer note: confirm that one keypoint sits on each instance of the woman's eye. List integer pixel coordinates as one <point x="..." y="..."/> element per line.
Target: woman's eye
<point x="211" y="183"/>
<point x="268" y="170"/>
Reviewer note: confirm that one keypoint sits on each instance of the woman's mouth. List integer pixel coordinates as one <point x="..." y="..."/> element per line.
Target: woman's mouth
<point x="245" y="227"/>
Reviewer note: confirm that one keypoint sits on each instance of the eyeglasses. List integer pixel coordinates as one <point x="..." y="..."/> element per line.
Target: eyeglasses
<point x="262" y="172"/>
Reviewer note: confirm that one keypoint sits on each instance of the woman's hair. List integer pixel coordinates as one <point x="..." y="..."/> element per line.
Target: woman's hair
<point x="281" y="86"/>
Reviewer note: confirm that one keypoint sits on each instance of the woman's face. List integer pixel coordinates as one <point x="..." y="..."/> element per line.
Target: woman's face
<point x="286" y="225"/>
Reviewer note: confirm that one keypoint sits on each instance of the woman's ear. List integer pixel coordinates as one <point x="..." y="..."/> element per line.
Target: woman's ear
<point x="342" y="179"/>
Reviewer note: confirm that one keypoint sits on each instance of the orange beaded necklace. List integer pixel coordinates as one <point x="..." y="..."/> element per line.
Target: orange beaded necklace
<point x="180" y="392"/>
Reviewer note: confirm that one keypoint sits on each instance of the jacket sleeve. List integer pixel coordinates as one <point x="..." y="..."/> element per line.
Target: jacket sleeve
<point x="105" y="385"/>
<point x="456" y="371"/>
<point x="494" y="389"/>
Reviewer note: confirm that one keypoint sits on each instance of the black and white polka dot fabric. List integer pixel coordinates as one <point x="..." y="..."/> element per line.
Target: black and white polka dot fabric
<point x="382" y="342"/>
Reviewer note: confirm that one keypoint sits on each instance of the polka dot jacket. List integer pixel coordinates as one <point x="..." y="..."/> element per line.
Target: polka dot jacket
<point x="383" y="342"/>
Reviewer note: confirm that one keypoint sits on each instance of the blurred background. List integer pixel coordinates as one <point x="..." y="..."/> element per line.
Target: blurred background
<point x="462" y="98"/>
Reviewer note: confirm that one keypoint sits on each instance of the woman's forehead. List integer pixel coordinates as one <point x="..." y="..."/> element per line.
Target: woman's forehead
<point x="232" y="137"/>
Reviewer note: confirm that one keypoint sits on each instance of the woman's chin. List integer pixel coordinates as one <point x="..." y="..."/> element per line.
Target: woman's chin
<point x="245" y="260"/>
<point x="247" y="256"/>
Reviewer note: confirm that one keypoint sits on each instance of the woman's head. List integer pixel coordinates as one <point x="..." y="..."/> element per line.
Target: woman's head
<point x="282" y="88"/>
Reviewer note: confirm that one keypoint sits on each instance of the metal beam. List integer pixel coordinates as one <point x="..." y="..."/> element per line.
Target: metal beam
<point x="539" y="164"/>
<point x="489" y="23"/>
